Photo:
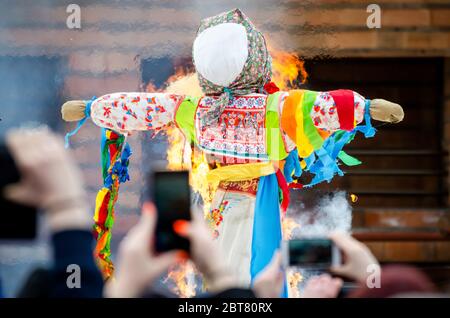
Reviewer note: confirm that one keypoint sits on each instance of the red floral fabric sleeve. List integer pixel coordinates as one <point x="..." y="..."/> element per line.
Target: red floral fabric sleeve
<point x="126" y="112"/>
<point x="327" y="115"/>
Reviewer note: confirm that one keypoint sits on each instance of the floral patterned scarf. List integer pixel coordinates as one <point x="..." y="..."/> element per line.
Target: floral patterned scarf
<point x="256" y="72"/>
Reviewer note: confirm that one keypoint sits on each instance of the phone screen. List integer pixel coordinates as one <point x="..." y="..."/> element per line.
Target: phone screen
<point x="171" y="194"/>
<point x="16" y="221"/>
<point x="316" y="253"/>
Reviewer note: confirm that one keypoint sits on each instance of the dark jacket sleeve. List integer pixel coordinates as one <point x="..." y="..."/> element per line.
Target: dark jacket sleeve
<point x="75" y="273"/>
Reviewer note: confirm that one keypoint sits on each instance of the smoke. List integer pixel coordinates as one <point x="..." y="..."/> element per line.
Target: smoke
<point x="333" y="213"/>
<point x="321" y="215"/>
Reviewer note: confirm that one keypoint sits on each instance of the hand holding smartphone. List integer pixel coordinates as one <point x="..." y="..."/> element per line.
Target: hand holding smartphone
<point x="316" y="253"/>
<point x="171" y="194"/>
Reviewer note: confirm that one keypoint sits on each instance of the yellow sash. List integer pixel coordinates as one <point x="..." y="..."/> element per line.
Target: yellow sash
<point x="240" y="172"/>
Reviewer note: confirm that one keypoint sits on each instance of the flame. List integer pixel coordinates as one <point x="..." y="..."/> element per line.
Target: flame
<point x="182" y="279"/>
<point x="294" y="279"/>
<point x="175" y="152"/>
<point x="288" y="225"/>
<point x="353" y="197"/>
<point x="183" y="83"/>
<point x="199" y="183"/>
<point x="151" y="87"/>
<point x="286" y="68"/>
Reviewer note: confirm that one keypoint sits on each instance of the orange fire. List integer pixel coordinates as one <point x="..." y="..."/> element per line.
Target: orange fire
<point x="288" y="69"/>
<point x="288" y="225"/>
<point x="175" y="153"/>
<point x="294" y="278"/>
<point x="182" y="279"/>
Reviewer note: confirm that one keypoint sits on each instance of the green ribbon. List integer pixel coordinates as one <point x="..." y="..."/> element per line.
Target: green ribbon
<point x="310" y="130"/>
<point x="275" y="143"/>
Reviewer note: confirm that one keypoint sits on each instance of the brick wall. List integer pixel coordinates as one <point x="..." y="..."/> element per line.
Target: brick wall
<point x="149" y="28"/>
<point x="104" y="55"/>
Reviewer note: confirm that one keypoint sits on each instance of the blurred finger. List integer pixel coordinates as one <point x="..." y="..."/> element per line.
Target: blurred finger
<point x="273" y="268"/>
<point x="275" y="263"/>
<point x="17" y="145"/>
<point x="338" y="282"/>
<point x="342" y="240"/>
<point x="324" y="278"/>
<point x="340" y="270"/>
<point x="313" y="280"/>
<point x="147" y="222"/>
<point x="198" y="217"/>
<point x="28" y="145"/>
<point x="183" y="228"/>
<point x="19" y="193"/>
<point x="161" y="263"/>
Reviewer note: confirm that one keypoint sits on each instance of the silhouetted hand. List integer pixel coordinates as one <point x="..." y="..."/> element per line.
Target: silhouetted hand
<point x="49" y="178"/>
<point x="269" y="282"/>
<point x="357" y="258"/>
<point x="322" y="286"/>
<point x="137" y="264"/>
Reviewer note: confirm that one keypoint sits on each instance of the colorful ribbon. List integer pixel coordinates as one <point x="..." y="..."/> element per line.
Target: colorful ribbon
<point x="284" y="190"/>
<point x="115" y="160"/>
<point x="325" y="167"/>
<point x="292" y="166"/>
<point x="267" y="236"/>
<point x="344" y="101"/>
<point x="322" y="152"/>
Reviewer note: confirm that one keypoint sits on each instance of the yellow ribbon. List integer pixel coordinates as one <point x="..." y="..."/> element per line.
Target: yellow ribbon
<point x="99" y="201"/>
<point x="303" y="145"/>
<point x="292" y="122"/>
<point x="240" y="172"/>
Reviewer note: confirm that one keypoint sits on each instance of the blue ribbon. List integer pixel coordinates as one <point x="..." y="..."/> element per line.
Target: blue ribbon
<point x="310" y="160"/>
<point x="292" y="164"/>
<point x="266" y="236"/>
<point x="120" y="168"/>
<point x="87" y="114"/>
<point x="323" y="162"/>
<point x="368" y="130"/>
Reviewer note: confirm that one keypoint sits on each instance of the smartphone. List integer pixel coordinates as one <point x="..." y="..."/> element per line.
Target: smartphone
<point x="17" y="221"/>
<point x="172" y="197"/>
<point x="317" y="253"/>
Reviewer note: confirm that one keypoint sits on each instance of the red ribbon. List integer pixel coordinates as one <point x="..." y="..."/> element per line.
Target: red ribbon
<point x="284" y="189"/>
<point x="271" y="88"/>
<point x="344" y="100"/>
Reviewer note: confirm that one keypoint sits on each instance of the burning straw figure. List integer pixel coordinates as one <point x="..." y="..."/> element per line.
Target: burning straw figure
<point x="256" y="138"/>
